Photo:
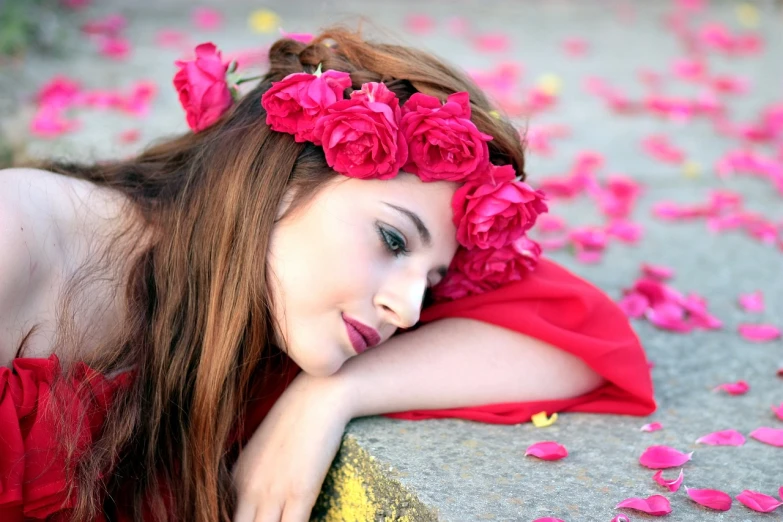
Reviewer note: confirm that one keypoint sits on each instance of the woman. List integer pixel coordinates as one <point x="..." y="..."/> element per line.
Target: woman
<point x="361" y="198"/>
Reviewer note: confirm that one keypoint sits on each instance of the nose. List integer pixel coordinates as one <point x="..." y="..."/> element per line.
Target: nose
<point x="400" y="300"/>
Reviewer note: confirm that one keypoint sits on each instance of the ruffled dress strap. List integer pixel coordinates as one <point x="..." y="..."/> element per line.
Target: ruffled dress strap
<point x="32" y="459"/>
<point x="565" y="311"/>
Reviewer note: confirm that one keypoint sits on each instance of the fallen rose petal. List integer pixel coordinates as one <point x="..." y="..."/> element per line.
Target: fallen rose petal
<point x="492" y="43"/>
<point x="129" y="136"/>
<point x="734" y="388"/>
<point x="540" y="419"/>
<point x="653" y="426"/>
<point x="634" y="305"/>
<point x="206" y="18"/>
<point x="662" y="457"/>
<point x="659" y="272"/>
<point x="114" y="47"/>
<point x="653" y="505"/>
<point x="548" y="519"/>
<point x="758" y="501"/>
<point x="575" y="46"/>
<point x="753" y="302"/>
<point x="622" y="517"/>
<point x="759" y="332"/>
<point x="778" y="411"/>
<point x="771" y="436"/>
<point x="419" y="23"/>
<point x="722" y="438"/>
<point x="547" y="450"/>
<point x="711" y="498"/>
<point x="671" y="485"/>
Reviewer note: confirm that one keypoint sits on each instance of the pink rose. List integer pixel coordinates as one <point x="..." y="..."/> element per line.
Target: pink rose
<point x="443" y="143"/>
<point x="201" y="84"/>
<point x="475" y="271"/>
<point x="361" y="136"/>
<point x="492" y="216"/>
<point x="294" y="104"/>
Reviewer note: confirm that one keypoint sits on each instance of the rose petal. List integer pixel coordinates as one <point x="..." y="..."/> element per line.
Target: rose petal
<point x="653" y="426"/>
<point x="722" y="438"/>
<point x="622" y="517"/>
<point x="753" y="302"/>
<point x="547" y="450"/>
<point x="711" y="498"/>
<point x="206" y="18"/>
<point x="540" y="419"/>
<point x="759" y="332"/>
<point x="671" y="485"/>
<point x="771" y="436"/>
<point x="548" y="519"/>
<point x="662" y="457"/>
<point x="734" y="388"/>
<point x="778" y="410"/>
<point x="758" y="501"/>
<point x="653" y="505"/>
<point x="659" y="272"/>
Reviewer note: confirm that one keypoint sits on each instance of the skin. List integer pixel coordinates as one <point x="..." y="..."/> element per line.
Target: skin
<point x="329" y="258"/>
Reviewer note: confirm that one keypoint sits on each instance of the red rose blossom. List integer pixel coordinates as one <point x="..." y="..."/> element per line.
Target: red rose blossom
<point x="294" y="104"/>
<point x="443" y="144"/>
<point x="492" y="216"/>
<point x="361" y="136"/>
<point x="202" y="87"/>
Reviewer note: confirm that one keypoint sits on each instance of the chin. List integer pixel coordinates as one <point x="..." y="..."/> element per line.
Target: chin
<point x="323" y="366"/>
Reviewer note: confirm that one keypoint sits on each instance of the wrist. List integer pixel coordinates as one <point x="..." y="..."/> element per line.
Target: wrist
<point x="334" y="391"/>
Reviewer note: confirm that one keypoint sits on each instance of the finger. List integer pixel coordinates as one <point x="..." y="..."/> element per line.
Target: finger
<point x="245" y="512"/>
<point x="296" y="512"/>
<point x="269" y="513"/>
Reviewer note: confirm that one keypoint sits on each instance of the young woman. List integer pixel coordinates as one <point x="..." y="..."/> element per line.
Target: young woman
<point x="186" y="334"/>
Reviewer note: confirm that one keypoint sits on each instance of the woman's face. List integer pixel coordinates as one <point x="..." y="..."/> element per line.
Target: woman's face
<point x="333" y="259"/>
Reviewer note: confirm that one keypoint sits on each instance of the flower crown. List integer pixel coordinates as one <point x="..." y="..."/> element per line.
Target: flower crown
<point x="370" y="136"/>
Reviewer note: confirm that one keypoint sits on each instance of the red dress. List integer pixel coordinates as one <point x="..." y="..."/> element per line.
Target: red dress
<point x="550" y="304"/>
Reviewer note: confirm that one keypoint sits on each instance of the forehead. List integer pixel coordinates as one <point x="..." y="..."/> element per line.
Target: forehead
<point x="403" y="188"/>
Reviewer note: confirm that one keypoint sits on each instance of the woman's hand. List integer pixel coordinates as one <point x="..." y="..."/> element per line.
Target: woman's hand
<point x="280" y="472"/>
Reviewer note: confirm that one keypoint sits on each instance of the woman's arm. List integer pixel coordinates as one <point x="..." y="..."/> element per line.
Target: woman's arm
<point x="456" y="362"/>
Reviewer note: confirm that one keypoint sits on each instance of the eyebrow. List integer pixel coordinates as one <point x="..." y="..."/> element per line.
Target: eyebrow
<point x="421" y="228"/>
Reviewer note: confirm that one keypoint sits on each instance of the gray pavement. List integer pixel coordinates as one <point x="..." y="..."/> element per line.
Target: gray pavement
<point x="456" y="470"/>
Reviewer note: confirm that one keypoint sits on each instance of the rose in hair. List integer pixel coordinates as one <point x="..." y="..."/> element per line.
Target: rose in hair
<point x="443" y="143"/>
<point x="492" y="216"/>
<point x="203" y="90"/>
<point x="294" y="104"/>
<point x="361" y="136"/>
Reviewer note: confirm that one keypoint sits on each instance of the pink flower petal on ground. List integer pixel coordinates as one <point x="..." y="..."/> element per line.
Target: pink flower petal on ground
<point x="758" y="501"/>
<point x="779" y="412"/>
<point x="110" y="24"/>
<point x="49" y="122"/>
<point x="625" y="231"/>
<point x="634" y="305"/>
<point x="129" y="136"/>
<point x="771" y="436"/>
<point x="653" y="426"/>
<point x="115" y="47"/>
<point x="759" y="332"/>
<point x="734" y="388"/>
<point x="722" y="438"/>
<point x="753" y="302"/>
<point x="711" y="498"/>
<point x="622" y="517"/>
<point x="575" y="46"/>
<point x="659" y="272"/>
<point x="206" y="18"/>
<point x="419" y="23"/>
<point x="659" y="147"/>
<point x="671" y="485"/>
<point x="547" y="450"/>
<point x="656" y="505"/>
<point x="548" y="519"/>
<point x="171" y="38"/>
<point x="668" y="316"/>
<point x="492" y="42"/>
<point x="662" y="457"/>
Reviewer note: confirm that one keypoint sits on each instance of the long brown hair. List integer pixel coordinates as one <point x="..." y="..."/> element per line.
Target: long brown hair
<point x="200" y="329"/>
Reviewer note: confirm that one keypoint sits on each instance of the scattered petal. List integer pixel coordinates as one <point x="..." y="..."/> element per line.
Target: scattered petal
<point x="758" y="501"/>
<point x="419" y="23"/>
<point x="656" y="505"/>
<point x="575" y="46"/>
<point x="547" y="450"/>
<point x="492" y="42"/>
<point x="206" y="19"/>
<point x="653" y="426"/>
<point x="711" y="498"/>
<point x="779" y="412"/>
<point x="540" y="420"/>
<point x="129" y="136"/>
<point x="734" y="388"/>
<point x="115" y="47"/>
<point x="759" y="332"/>
<point x="753" y="302"/>
<point x="662" y="457"/>
<point x="771" y="436"/>
<point x="722" y="438"/>
<point x="622" y="517"/>
<point x="548" y="519"/>
<point x="661" y="273"/>
<point x="671" y="485"/>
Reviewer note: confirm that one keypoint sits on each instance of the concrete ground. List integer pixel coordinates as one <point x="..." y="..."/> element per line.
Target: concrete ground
<point x="454" y="470"/>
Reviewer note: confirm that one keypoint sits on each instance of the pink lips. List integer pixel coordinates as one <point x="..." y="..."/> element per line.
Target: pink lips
<point x="362" y="336"/>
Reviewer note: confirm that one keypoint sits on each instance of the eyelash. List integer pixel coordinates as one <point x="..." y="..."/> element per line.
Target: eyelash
<point x="394" y="243"/>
